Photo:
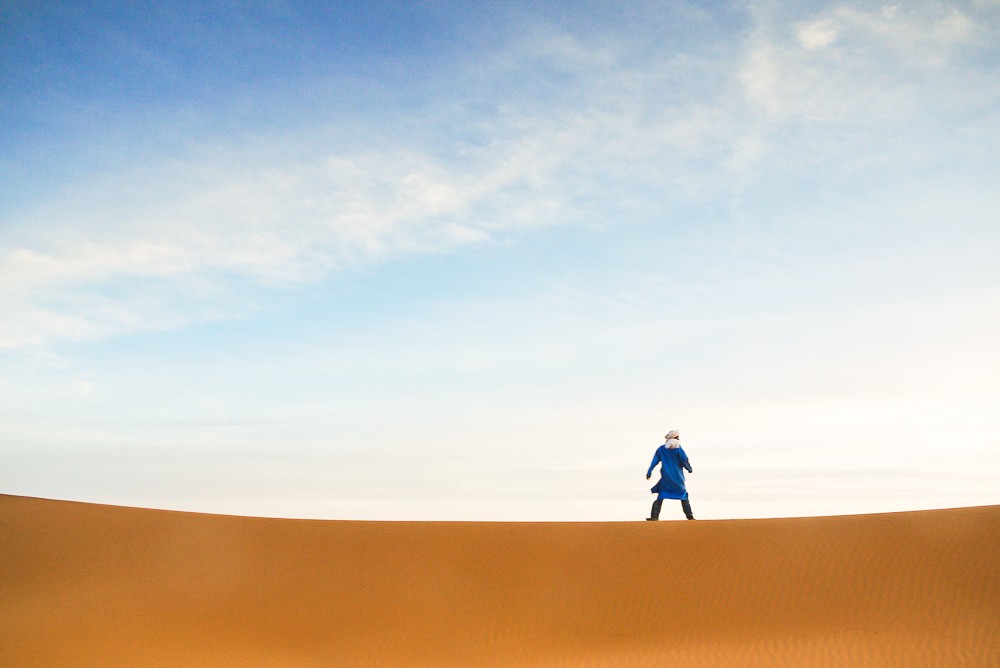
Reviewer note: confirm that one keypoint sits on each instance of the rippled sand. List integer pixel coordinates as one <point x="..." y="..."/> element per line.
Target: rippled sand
<point x="91" y="585"/>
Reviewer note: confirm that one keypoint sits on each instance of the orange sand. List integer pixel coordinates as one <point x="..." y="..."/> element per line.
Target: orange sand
<point x="90" y="585"/>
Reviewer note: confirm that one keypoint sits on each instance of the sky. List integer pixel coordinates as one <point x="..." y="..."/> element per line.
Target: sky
<point x="440" y="260"/>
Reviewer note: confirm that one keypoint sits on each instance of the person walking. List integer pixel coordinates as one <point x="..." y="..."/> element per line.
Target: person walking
<point x="673" y="461"/>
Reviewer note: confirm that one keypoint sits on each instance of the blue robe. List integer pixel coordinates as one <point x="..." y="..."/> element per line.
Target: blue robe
<point x="672" y="463"/>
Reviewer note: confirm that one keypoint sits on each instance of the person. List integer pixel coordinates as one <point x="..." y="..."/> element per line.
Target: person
<point x="673" y="461"/>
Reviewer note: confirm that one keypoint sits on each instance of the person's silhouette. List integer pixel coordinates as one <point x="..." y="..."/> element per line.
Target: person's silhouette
<point x="673" y="461"/>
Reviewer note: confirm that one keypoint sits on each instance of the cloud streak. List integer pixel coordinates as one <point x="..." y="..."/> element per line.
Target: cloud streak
<point x="210" y="222"/>
<point x="564" y="123"/>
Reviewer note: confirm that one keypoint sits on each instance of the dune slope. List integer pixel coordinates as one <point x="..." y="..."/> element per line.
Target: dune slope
<point x="85" y="585"/>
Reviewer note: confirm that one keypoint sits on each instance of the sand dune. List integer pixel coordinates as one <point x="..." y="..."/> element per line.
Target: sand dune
<point x="90" y="585"/>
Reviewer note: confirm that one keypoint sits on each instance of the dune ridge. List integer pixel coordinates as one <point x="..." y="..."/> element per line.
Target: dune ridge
<point x="85" y="585"/>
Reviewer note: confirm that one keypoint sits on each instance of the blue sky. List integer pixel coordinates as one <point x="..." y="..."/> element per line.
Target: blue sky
<point x="432" y="260"/>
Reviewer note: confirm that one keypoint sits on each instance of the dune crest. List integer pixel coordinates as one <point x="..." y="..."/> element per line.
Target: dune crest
<point x="84" y="585"/>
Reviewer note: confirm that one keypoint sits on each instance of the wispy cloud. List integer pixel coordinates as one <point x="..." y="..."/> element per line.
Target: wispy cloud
<point x="270" y="224"/>
<point x="849" y="65"/>
<point x="554" y="128"/>
<point x="206" y="224"/>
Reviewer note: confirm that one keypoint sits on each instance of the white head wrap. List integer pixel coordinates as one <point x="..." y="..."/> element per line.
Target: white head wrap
<point x="672" y="437"/>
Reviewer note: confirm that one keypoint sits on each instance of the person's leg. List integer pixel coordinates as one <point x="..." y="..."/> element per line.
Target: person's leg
<point x="686" y="505"/>
<point x="654" y="512"/>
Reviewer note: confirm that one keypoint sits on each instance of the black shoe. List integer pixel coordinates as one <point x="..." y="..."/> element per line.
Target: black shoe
<point x="686" y="505"/>
<point x="654" y="512"/>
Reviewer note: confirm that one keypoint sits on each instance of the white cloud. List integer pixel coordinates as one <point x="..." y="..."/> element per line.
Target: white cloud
<point x="818" y="34"/>
<point x="575" y="123"/>
<point x="923" y="33"/>
<point x="845" y="64"/>
<point x="270" y="224"/>
<point x="265" y="215"/>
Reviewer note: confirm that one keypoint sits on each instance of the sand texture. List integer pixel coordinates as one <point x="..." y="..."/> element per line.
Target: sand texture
<point x="91" y="585"/>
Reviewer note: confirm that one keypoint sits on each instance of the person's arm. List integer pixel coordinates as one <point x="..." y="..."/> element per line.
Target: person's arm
<point x="685" y="462"/>
<point x="652" y="465"/>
